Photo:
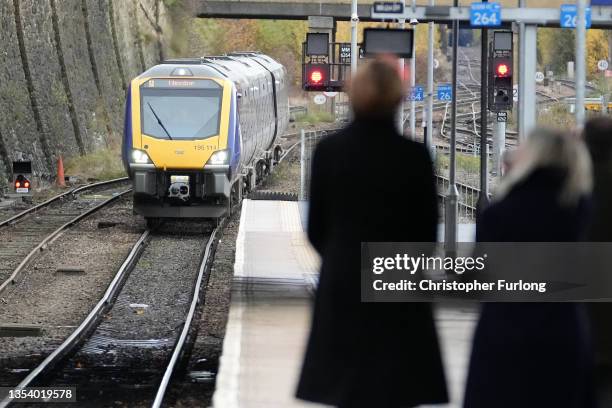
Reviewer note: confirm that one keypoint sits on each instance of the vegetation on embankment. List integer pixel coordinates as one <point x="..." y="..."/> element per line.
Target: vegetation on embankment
<point x="314" y="117"/>
<point x="103" y="164"/>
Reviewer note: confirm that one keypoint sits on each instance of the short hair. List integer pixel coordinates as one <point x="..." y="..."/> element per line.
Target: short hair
<point x="552" y="148"/>
<point x="376" y="90"/>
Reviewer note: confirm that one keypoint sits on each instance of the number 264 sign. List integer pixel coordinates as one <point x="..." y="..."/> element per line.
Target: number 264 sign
<point x="485" y="15"/>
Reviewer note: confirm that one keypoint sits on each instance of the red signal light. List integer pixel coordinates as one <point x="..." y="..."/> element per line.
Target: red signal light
<point x="316" y="76"/>
<point x="502" y="70"/>
<point x="26" y="184"/>
<point x="17" y="184"/>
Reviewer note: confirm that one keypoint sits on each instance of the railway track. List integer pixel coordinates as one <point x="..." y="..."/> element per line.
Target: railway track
<point x="26" y="234"/>
<point x="572" y="84"/>
<point x="137" y="335"/>
<point x="132" y="342"/>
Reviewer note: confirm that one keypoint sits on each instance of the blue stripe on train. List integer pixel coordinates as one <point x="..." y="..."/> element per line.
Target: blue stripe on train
<point x="233" y="135"/>
<point x="127" y="130"/>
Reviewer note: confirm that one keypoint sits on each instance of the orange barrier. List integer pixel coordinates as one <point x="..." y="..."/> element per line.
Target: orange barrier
<point x="60" y="172"/>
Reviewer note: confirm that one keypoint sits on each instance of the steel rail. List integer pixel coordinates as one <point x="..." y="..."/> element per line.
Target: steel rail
<point x="180" y="344"/>
<point x="53" y="235"/>
<point x="59" y="197"/>
<point x="103" y="305"/>
<point x="572" y="84"/>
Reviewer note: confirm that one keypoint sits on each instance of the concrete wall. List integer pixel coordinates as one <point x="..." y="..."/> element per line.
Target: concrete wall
<point x="64" y="67"/>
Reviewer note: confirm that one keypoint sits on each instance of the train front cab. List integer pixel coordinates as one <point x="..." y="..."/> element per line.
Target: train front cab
<point x="182" y="146"/>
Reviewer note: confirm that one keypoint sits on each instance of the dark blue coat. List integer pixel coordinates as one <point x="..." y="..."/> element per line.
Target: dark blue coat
<point x="531" y="354"/>
<point x="369" y="184"/>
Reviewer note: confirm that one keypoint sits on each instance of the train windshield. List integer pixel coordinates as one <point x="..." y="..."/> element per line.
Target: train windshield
<point x="180" y="109"/>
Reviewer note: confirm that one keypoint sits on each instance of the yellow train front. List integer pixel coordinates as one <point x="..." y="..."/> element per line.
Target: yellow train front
<point x="200" y="132"/>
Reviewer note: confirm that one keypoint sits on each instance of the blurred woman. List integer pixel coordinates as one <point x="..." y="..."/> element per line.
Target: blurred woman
<point x="369" y="183"/>
<point x="535" y="354"/>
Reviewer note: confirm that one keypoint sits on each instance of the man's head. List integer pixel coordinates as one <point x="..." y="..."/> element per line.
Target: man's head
<point x="376" y="90"/>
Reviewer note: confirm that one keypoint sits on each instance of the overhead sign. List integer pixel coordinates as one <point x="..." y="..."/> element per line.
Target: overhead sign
<point x="417" y="94"/>
<point x="485" y="15"/>
<point x="319" y="99"/>
<point x="388" y="41"/>
<point x="602" y="65"/>
<point x="539" y="77"/>
<point x="569" y="16"/>
<point x="388" y="7"/>
<point x="502" y="117"/>
<point x="445" y="92"/>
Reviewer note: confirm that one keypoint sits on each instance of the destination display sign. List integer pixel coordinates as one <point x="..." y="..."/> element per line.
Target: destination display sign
<point x="181" y="83"/>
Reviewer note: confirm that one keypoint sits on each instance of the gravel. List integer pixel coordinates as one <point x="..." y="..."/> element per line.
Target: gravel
<point x="58" y="301"/>
<point x="131" y="346"/>
<point x="19" y="239"/>
<point x="286" y="176"/>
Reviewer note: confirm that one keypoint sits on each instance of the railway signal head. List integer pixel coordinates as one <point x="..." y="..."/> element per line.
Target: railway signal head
<point x="500" y="72"/>
<point x="22" y="184"/>
<point x="315" y="77"/>
<point x="22" y="170"/>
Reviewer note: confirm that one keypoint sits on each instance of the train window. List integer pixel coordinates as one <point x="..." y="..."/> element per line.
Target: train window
<point x="180" y="113"/>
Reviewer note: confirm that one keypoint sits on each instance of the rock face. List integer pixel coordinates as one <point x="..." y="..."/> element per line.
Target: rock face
<point x="64" y="68"/>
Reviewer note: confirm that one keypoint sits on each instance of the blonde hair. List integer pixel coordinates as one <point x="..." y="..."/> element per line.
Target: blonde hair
<point x="376" y="90"/>
<point x="553" y="149"/>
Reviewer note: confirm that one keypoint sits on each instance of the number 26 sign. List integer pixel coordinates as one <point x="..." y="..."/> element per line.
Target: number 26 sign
<point x="485" y="15"/>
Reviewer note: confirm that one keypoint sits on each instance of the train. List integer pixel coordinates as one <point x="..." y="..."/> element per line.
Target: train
<point x="201" y="132"/>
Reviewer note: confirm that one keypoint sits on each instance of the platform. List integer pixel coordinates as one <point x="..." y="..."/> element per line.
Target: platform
<point x="273" y="256"/>
<point x="274" y="276"/>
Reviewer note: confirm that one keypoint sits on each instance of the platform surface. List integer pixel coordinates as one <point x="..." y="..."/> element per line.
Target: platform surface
<point x="269" y="320"/>
<point x="274" y="276"/>
<point x="273" y="256"/>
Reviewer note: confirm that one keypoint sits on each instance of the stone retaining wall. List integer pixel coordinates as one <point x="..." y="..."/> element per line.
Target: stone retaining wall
<point x="64" y="67"/>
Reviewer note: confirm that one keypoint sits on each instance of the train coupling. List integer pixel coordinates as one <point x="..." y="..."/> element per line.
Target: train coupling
<point x="179" y="187"/>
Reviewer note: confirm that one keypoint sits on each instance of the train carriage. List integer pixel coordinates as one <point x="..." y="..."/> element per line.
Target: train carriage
<point x="199" y="132"/>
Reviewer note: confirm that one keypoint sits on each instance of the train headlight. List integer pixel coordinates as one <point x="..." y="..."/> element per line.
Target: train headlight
<point x="140" y="157"/>
<point x="219" y="157"/>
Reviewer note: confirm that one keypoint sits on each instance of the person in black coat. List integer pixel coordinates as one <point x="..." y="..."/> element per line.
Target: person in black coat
<point x="535" y="354"/>
<point x="369" y="183"/>
<point x="598" y="137"/>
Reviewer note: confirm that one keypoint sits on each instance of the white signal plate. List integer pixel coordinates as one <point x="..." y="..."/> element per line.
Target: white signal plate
<point x="22" y="190"/>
